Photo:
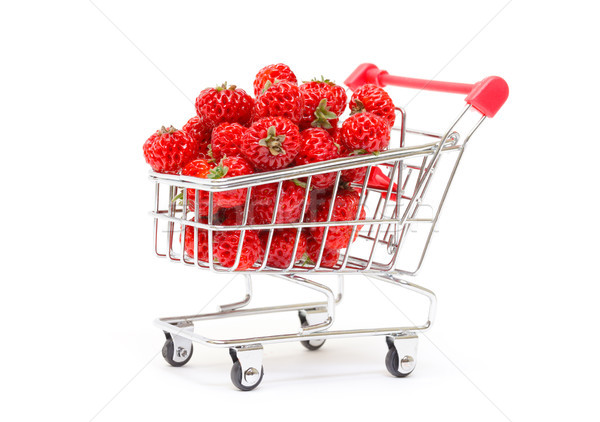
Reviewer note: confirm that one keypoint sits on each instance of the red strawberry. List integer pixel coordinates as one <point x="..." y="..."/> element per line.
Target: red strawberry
<point x="330" y="256"/>
<point x="228" y="167"/>
<point x="271" y="143"/>
<point x="201" y="240"/>
<point x="323" y="101"/>
<point x="282" y="247"/>
<point x="281" y="99"/>
<point x="200" y="168"/>
<point x="226" y="244"/>
<point x="224" y="105"/>
<point x="318" y="145"/>
<point x="344" y="209"/>
<point x="272" y="73"/>
<point x="226" y="139"/>
<point x="289" y="209"/>
<point x="375" y="100"/>
<point x="365" y="132"/>
<point x="355" y="174"/>
<point x="199" y="131"/>
<point x="169" y="150"/>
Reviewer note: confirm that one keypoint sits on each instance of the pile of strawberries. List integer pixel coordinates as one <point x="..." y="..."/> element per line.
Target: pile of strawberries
<point x="285" y="125"/>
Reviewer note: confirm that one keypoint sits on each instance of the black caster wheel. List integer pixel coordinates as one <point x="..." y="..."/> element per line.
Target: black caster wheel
<point x="168" y="352"/>
<point x="309" y="344"/>
<point x="395" y="366"/>
<point x="313" y="344"/>
<point x="252" y="377"/>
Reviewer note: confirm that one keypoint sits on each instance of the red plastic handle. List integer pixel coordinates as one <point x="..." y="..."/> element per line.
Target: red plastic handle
<point x="487" y="95"/>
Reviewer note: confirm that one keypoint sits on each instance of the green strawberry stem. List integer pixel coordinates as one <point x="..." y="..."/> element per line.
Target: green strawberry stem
<point x="224" y="86"/>
<point x="273" y="141"/>
<point x="218" y="172"/>
<point x="299" y="183"/>
<point x="323" y="115"/>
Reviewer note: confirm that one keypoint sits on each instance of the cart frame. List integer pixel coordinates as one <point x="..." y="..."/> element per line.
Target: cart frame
<point x="398" y="208"/>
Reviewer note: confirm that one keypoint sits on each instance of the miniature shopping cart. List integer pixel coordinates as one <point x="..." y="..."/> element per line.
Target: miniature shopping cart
<point x="398" y="192"/>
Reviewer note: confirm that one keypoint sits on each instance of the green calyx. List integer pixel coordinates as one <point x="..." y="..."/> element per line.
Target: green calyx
<point x="323" y="115"/>
<point x="273" y="141"/>
<point x="358" y="152"/>
<point x="306" y="260"/>
<point x="268" y="85"/>
<point x="218" y="172"/>
<point x="178" y="197"/>
<point x="223" y="86"/>
<point x="357" y="107"/>
<point x="322" y="80"/>
<point x="299" y="183"/>
<point x="163" y="130"/>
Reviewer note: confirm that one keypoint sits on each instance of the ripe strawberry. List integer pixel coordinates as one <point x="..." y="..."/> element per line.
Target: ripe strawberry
<point x="282" y="247"/>
<point x="318" y="145"/>
<point x="224" y="105"/>
<point x="200" y="168"/>
<point x="169" y="150"/>
<point x="375" y="100"/>
<point x="323" y="101"/>
<point x="226" y="139"/>
<point x="330" y="256"/>
<point x="199" y="131"/>
<point x="289" y="209"/>
<point x="272" y="73"/>
<point x="201" y="240"/>
<point x="271" y="143"/>
<point x="355" y="174"/>
<point x="282" y="99"/>
<point x="228" y="167"/>
<point x="365" y="132"/>
<point x="344" y="209"/>
<point x="226" y="244"/>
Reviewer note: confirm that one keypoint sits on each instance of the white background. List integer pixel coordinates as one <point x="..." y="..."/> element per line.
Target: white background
<point x="514" y="264"/>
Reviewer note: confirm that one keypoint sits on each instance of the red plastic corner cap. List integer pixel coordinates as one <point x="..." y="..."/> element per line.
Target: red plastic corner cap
<point x="365" y="73"/>
<point x="488" y="95"/>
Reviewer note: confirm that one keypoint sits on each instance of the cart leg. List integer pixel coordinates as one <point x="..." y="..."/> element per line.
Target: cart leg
<point x="310" y="317"/>
<point x="178" y="350"/>
<point x="400" y="360"/>
<point x="247" y="371"/>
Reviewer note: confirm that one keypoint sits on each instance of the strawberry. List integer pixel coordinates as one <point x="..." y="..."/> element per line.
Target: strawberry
<point x="344" y="209"/>
<point x="375" y="100"/>
<point x="230" y="167"/>
<point x="271" y="143"/>
<point x="201" y="240"/>
<point x="318" y="145"/>
<point x="226" y="139"/>
<point x="205" y="169"/>
<point x="273" y="73"/>
<point x="226" y="244"/>
<point x="281" y="99"/>
<point x="365" y="132"/>
<point x="224" y="104"/>
<point x="199" y="131"/>
<point x="169" y="150"/>
<point x="330" y="256"/>
<point x="282" y="247"/>
<point x="354" y="174"/>
<point x="200" y="168"/>
<point x="323" y="101"/>
<point x="289" y="209"/>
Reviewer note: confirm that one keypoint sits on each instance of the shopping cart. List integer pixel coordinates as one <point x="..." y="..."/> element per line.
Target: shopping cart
<point x="398" y="195"/>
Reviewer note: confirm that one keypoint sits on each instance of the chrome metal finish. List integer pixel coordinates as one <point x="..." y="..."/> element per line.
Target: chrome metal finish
<point x="393" y="239"/>
<point x="181" y="344"/>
